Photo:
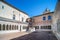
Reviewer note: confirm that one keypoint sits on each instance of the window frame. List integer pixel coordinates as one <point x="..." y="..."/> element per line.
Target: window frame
<point x="49" y="17"/>
<point x="44" y="18"/>
<point x="14" y="17"/>
<point x="2" y="7"/>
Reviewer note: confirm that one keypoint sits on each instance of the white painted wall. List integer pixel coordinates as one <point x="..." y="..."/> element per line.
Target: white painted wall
<point x="7" y="12"/>
<point x="56" y="17"/>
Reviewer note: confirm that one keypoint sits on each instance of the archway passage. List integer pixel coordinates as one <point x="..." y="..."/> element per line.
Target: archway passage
<point x="46" y="27"/>
<point x="36" y="27"/>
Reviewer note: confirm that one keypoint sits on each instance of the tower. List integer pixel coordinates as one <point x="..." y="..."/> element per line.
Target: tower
<point x="46" y="10"/>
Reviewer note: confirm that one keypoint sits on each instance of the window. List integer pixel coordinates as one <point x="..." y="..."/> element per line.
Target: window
<point x="49" y="17"/>
<point x="19" y="15"/>
<point x="22" y="19"/>
<point x="13" y="17"/>
<point x="13" y="11"/>
<point x="2" y="7"/>
<point x="44" y="18"/>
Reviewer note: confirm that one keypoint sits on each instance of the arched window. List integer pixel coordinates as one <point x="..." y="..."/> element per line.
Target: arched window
<point x="13" y="17"/>
<point x="3" y="26"/>
<point x="44" y="18"/>
<point x="49" y="17"/>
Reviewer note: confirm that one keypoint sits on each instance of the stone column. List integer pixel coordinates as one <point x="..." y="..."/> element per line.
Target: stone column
<point x="2" y="27"/>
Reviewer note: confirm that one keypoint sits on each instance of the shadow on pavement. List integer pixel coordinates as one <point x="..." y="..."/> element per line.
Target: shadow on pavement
<point x="37" y="35"/>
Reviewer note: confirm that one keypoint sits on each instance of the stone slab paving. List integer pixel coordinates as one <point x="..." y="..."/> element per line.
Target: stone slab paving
<point x="37" y="35"/>
<point x="9" y="36"/>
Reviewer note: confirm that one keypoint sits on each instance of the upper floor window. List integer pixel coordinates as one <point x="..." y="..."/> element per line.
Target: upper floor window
<point x="13" y="11"/>
<point x="13" y="17"/>
<point x="19" y="15"/>
<point x="22" y="19"/>
<point x="49" y="17"/>
<point x="2" y="7"/>
<point x="44" y="18"/>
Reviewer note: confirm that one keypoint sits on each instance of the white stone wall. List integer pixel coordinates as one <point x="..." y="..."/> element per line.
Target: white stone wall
<point x="8" y="12"/>
<point x="56" y="17"/>
<point x="8" y="31"/>
<point x="11" y="23"/>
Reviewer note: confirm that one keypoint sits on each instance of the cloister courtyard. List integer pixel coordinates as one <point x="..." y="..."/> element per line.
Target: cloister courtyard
<point x="16" y="24"/>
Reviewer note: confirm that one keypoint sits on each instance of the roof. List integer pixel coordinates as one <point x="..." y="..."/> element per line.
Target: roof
<point x="13" y="6"/>
<point x="43" y="14"/>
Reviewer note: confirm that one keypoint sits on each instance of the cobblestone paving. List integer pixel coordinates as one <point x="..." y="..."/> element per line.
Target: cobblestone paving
<point x="37" y="35"/>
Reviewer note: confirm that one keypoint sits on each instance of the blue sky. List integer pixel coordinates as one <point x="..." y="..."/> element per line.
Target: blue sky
<point x="33" y="7"/>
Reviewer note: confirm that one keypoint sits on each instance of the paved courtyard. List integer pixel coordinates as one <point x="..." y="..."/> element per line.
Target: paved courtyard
<point x="9" y="36"/>
<point x="37" y="35"/>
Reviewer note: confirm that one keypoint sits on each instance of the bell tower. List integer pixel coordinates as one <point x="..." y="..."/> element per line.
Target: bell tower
<point x="46" y="11"/>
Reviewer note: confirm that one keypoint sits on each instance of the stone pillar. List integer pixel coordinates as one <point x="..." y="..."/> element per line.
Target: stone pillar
<point x="2" y="27"/>
<point x="5" y="27"/>
<point x="39" y="27"/>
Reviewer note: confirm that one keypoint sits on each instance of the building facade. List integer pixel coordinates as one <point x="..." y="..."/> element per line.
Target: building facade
<point x="43" y="21"/>
<point x="56" y="20"/>
<point x="11" y="18"/>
